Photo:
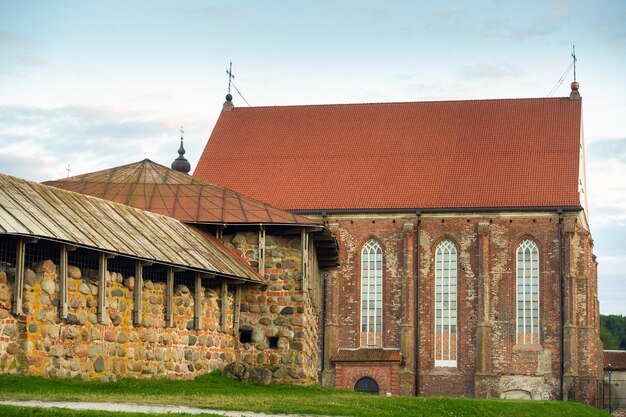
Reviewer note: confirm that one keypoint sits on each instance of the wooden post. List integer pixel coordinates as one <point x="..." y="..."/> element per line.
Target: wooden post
<point x="304" y="251"/>
<point x="262" y="250"/>
<point x="197" y="305"/>
<point x="102" y="291"/>
<point x="18" y="292"/>
<point x="224" y="305"/>
<point x="63" y="301"/>
<point x="237" y="310"/>
<point x="137" y="294"/>
<point x="169" y="298"/>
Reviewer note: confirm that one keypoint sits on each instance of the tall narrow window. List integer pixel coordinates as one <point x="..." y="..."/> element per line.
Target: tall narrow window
<point x="527" y="260"/>
<point x="445" y="305"/>
<point x="371" y="294"/>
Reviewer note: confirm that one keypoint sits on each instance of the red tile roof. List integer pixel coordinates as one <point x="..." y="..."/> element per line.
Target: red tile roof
<point x="153" y="187"/>
<point x="447" y="154"/>
<point x="617" y="359"/>
<point x="367" y="355"/>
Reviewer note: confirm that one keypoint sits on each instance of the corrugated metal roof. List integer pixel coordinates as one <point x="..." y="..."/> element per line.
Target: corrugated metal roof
<point x="149" y="186"/>
<point x="421" y="155"/>
<point x="32" y="209"/>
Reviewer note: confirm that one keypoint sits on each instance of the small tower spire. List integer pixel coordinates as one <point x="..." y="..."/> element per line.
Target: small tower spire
<point x="181" y="164"/>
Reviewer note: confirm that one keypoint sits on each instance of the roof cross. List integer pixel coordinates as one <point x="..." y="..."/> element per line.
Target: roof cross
<point x="574" y="58"/>
<point x="231" y="76"/>
<point x="182" y="132"/>
<point x="68" y="170"/>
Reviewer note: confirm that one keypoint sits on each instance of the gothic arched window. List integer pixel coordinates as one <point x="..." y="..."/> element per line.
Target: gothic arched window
<point x="445" y="304"/>
<point x="527" y="279"/>
<point x="371" y="294"/>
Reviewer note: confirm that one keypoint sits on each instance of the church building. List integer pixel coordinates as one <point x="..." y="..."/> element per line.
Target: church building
<point x="425" y="248"/>
<point x="466" y="259"/>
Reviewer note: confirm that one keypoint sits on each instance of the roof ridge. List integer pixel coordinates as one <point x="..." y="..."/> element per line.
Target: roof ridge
<point x="379" y="103"/>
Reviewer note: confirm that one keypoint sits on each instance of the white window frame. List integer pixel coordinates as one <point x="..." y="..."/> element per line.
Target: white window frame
<point x="527" y="284"/>
<point x="446" y="280"/>
<point x="372" y="293"/>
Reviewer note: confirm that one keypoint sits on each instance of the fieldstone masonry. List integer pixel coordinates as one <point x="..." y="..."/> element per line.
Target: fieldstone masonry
<point x="282" y="319"/>
<point x="282" y="322"/>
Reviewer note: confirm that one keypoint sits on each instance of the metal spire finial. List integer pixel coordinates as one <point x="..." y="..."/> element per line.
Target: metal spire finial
<point x="181" y="164"/>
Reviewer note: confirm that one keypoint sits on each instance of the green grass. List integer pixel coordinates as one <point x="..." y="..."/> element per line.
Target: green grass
<point x="9" y="411"/>
<point x="217" y="392"/>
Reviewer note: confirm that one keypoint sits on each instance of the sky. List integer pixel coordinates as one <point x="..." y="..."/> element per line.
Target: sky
<point x="96" y="84"/>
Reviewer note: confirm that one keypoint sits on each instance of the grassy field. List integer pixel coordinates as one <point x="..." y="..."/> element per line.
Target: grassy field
<point x="8" y="411"/>
<point x="218" y="392"/>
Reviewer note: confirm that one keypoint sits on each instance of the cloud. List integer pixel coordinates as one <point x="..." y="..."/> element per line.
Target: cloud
<point x="611" y="148"/>
<point x="490" y="71"/>
<point x="549" y="21"/>
<point x="13" y="39"/>
<point x="498" y="27"/>
<point x="209" y="13"/>
<point x="13" y="60"/>
<point x="29" y="60"/>
<point x="611" y="289"/>
<point x="155" y="96"/>
<point x="38" y="143"/>
<point x="612" y="28"/>
<point x="606" y="170"/>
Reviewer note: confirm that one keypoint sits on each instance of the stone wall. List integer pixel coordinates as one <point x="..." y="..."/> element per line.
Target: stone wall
<point x="282" y="321"/>
<point x="81" y="347"/>
<point x="8" y="329"/>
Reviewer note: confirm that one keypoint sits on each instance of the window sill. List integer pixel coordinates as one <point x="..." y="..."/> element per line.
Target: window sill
<point x="445" y="364"/>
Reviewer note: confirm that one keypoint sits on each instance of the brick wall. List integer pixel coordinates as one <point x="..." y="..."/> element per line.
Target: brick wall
<point x="490" y="360"/>
<point x="386" y="375"/>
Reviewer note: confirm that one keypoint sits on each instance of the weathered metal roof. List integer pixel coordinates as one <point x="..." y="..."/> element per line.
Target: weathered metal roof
<point x="32" y="209"/>
<point x="153" y="187"/>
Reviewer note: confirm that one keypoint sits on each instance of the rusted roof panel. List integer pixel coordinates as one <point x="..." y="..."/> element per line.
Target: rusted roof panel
<point x="153" y="187"/>
<point x="32" y="209"/>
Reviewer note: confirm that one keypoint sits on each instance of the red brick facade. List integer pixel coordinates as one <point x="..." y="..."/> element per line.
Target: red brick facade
<point x="489" y="362"/>
<point x="386" y="375"/>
